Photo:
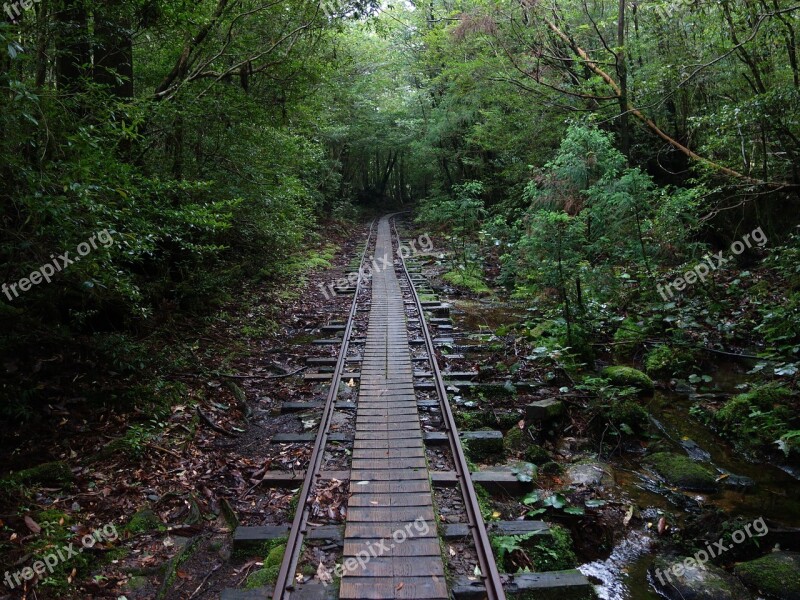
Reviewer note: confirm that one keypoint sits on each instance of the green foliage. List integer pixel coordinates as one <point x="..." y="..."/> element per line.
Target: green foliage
<point x="628" y="337"/>
<point x="535" y="552"/>
<point x="665" y="361"/>
<point x="756" y="419"/>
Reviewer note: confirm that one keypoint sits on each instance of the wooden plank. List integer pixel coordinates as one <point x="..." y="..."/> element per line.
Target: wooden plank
<point x="398" y="567"/>
<point x="388" y="500"/>
<point x="378" y="514"/>
<point x="570" y="584"/>
<point x="384" y="547"/>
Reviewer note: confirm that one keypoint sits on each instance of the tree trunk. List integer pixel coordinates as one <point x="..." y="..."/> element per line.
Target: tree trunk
<point x="72" y="46"/>
<point x="113" y="53"/>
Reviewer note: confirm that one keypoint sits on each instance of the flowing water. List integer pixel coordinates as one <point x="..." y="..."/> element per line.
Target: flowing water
<point x="774" y="496"/>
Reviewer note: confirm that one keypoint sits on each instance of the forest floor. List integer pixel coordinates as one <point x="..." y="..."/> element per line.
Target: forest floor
<point x="164" y="484"/>
<point x="163" y="480"/>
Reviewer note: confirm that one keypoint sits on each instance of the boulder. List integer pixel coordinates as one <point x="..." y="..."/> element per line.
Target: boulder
<point x="776" y="575"/>
<point x="629" y="377"/>
<point x="682" y="578"/>
<point x="682" y="472"/>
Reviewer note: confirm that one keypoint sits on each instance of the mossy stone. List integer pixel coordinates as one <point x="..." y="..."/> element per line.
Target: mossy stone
<point x="551" y="468"/>
<point x="629" y="377"/>
<point x="144" y="521"/>
<point x="628" y="337"/>
<point x="776" y="575"/>
<point x="537" y="455"/>
<point x="706" y="582"/>
<point x="55" y="474"/>
<point x="515" y="441"/>
<point x="682" y="472"/>
<point x="665" y="361"/>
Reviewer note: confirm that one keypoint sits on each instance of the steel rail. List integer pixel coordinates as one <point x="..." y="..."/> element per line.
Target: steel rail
<point x="284" y="584"/>
<point x="486" y="562"/>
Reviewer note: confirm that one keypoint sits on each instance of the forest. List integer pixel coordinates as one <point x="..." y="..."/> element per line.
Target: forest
<point x="609" y="195"/>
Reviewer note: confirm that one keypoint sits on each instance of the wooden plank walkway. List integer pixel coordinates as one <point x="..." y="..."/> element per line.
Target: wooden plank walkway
<point x="391" y="545"/>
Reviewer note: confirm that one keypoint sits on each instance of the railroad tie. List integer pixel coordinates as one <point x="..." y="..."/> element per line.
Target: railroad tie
<point x="391" y="544"/>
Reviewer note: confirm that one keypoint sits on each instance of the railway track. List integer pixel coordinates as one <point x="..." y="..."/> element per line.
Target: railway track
<point x="387" y="443"/>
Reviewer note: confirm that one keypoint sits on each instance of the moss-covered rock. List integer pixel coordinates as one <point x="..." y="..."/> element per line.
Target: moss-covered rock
<point x="776" y="575"/>
<point x="54" y="474"/>
<point x="756" y="418"/>
<point x="144" y="521"/>
<point x="629" y="377"/>
<point x="516" y="440"/>
<point x="682" y="472"/>
<point x="627" y="412"/>
<point x="682" y="578"/>
<point x="551" y="468"/>
<point x="537" y="455"/>
<point x="484" y="445"/>
<point x="665" y="361"/>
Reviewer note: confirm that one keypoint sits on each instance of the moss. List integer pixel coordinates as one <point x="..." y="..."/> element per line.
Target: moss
<point x="756" y="418"/>
<point x="268" y="574"/>
<point x="628" y="377"/>
<point x="681" y="471"/>
<point x="776" y="575"/>
<point x="55" y="474"/>
<point x="537" y="455"/>
<point x="484" y="501"/>
<point x="469" y="281"/>
<point x="144" y="521"/>
<point x="630" y="413"/>
<point x="483" y="450"/>
<point x="665" y="361"/>
<point x="551" y="552"/>
<point x="516" y="441"/>
<point x="628" y="337"/>
<point x="551" y="468"/>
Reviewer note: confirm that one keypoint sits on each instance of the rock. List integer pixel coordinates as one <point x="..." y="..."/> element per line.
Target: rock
<point x="694" y="451"/>
<point x="137" y="582"/>
<point x="590" y="474"/>
<point x="483" y="445"/>
<point x="144" y="521"/>
<point x="629" y="377"/>
<point x="53" y="474"/>
<point x="544" y="410"/>
<point x="776" y="575"/>
<point x="683" y="579"/>
<point x="681" y="471"/>
<point x="516" y="441"/>
<point x="537" y="455"/>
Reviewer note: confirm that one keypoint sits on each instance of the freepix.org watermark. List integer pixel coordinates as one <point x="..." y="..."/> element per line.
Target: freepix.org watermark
<point x="711" y="263"/>
<point x="422" y="245"/>
<point x="59" y="263"/>
<point x="15" y="9"/>
<point x="50" y="561"/>
<point x="757" y="528"/>
<point x="377" y="549"/>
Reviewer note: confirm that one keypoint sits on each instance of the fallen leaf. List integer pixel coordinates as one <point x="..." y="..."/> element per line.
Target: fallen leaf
<point x="662" y="525"/>
<point x="628" y="516"/>
<point x="452" y="552"/>
<point x="324" y="574"/>
<point x="32" y="525"/>
<point x="399" y="586"/>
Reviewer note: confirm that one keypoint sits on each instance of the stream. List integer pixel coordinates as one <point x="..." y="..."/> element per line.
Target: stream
<point x="772" y="493"/>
